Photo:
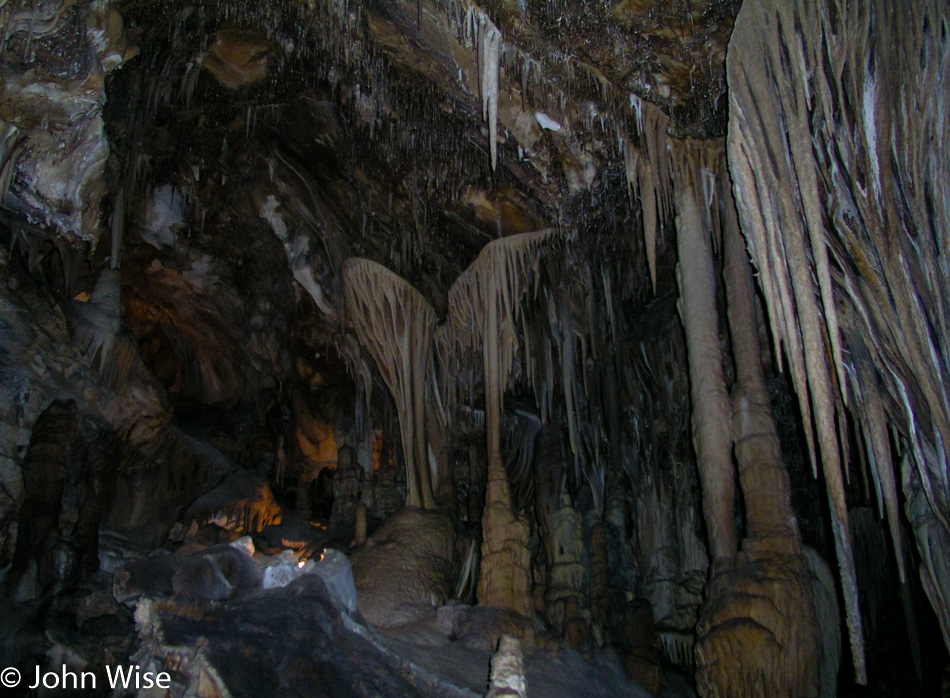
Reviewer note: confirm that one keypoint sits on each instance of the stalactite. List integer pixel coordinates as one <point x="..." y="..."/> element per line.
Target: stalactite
<point x="639" y="174"/>
<point x="489" y="46"/>
<point x="395" y="324"/>
<point x="879" y="458"/>
<point x="848" y="249"/>
<point x="710" y="403"/>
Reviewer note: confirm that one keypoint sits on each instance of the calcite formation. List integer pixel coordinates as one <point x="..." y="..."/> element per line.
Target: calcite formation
<point x="609" y="331"/>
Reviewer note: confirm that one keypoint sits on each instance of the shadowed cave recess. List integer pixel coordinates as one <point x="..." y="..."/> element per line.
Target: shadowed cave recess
<point x="433" y="348"/>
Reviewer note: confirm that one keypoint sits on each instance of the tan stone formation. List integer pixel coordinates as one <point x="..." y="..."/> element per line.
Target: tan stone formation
<point x="237" y="59"/>
<point x="753" y="639"/>
<point x="484" y="303"/>
<point x="243" y="503"/>
<point x="405" y="569"/>
<point x="710" y="402"/>
<point x="565" y="572"/>
<point x="759" y="622"/>
<point x="395" y="325"/>
<point x="757" y="633"/>
<point x="507" y="670"/>
<point x="800" y="131"/>
<point x="359" y="525"/>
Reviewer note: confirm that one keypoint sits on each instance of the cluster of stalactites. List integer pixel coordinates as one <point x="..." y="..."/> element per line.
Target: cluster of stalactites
<point x="838" y="147"/>
<point x="500" y="276"/>
<point x="394" y="322"/>
<point x="648" y="174"/>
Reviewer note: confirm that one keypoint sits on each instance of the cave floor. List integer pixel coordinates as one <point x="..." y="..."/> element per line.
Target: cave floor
<point x="293" y="640"/>
<point x="548" y="674"/>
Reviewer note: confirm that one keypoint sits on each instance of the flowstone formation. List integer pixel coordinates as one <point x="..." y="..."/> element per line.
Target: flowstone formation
<point x="846" y="241"/>
<point x="396" y="323"/>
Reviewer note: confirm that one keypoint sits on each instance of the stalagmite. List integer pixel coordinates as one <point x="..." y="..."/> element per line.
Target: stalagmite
<point x="395" y="324"/>
<point x="484" y="305"/>
<point x="770" y="520"/>
<point x="507" y="670"/>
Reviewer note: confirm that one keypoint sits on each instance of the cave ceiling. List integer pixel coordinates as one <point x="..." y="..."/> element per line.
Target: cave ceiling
<point x="227" y="158"/>
<point x="212" y="146"/>
<point x="364" y="120"/>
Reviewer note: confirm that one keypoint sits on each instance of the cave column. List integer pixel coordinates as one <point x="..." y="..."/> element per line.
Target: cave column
<point x="505" y="574"/>
<point x="758" y="632"/>
<point x="712" y="435"/>
<point x="765" y="486"/>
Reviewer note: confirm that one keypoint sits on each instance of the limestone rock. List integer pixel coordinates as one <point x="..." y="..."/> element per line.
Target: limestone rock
<point x="405" y="568"/>
<point x="243" y="503"/>
<point x="507" y="670"/>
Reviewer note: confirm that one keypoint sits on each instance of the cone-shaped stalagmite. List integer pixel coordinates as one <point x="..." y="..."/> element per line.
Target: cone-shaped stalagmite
<point x="395" y="324"/>
<point x="762" y="475"/>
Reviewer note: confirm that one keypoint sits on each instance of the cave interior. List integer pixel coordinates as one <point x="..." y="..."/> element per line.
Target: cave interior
<point x="434" y="348"/>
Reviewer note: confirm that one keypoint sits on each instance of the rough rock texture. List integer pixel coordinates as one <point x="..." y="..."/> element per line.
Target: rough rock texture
<point x="507" y="670"/>
<point x="641" y="657"/>
<point x="53" y="164"/>
<point x="242" y="503"/>
<point x="850" y="175"/>
<point x="482" y="628"/>
<point x="347" y="490"/>
<point x="754" y="638"/>
<point x="175" y="240"/>
<point x="38" y="562"/>
<point x="405" y="569"/>
<point x="282" y="638"/>
<point x="565" y="573"/>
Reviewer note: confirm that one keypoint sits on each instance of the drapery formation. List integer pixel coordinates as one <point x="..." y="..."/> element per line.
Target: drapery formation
<point x="395" y="324"/>
<point x="838" y="147"/>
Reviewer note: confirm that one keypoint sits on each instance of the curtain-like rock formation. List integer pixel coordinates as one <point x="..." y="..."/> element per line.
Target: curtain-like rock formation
<point x="838" y="146"/>
<point x="395" y="324"/>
